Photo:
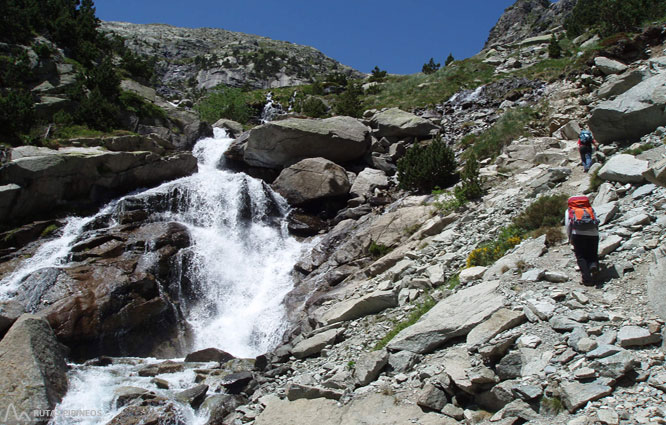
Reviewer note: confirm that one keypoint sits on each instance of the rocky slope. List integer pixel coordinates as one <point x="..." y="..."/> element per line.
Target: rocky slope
<point x="519" y="341"/>
<point x="528" y="18"/>
<point x="202" y="58"/>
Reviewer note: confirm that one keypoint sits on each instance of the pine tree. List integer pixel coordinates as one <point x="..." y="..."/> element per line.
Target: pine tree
<point x="430" y="67"/>
<point x="449" y="59"/>
<point x="554" y="49"/>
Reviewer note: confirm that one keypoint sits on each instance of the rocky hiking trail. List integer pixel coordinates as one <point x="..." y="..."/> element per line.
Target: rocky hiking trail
<point x="409" y="334"/>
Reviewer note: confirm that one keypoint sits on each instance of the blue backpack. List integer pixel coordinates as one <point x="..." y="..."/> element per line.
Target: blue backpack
<point x="586" y="138"/>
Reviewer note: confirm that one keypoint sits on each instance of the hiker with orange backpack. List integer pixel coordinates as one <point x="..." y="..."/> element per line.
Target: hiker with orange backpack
<point x="582" y="228"/>
<point x="586" y="144"/>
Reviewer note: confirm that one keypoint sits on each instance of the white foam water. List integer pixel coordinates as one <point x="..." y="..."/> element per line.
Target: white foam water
<point x="241" y="257"/>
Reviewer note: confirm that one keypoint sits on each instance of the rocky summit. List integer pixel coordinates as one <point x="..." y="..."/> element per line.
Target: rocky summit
<point x="406" y="307"/>
<point x="203" y="58"/>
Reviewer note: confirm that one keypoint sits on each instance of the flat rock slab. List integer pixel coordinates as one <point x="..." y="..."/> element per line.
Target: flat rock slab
<point x="369" y="366"/>
<point x="452" y="317"/>
<point x="500" y="321"/>
<point x="358" y="307"/>
<point x="315" y="344"/>
<point x="282" y="143"/>
<point x="374" y="409"/>
<point x="635" y="336"/>
<point x="624" y="168"/>
<point x="575" y="395"/>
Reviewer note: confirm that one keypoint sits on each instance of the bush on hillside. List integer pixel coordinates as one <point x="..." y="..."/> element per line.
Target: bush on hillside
<point x="16" y="114"/>
<point x="378" y="75"/>
<point x="424" y="168"/>
<point x="470" y="187"/>
<point x="224" y="102"/>
<point x="612" y="16"/>
<point x="554" y="49"/>
<point x="312" y="107"/>
<point x="349" y="101"/>
<point x="547" y="211"/>
<point x="430" y="67"/>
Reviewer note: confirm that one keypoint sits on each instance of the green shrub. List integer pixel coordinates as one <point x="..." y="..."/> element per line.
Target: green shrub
<point x="489" y="252"/>
<point x="413" y="317"/>
<point x="312" y="107"/>
<point x="612" y="16"/>
<point x="97" y="112"/>
<point x="349" y="102"/>
<point x="16" y="114"/>
<point x="377" y="75"/>
<point x="224" y="102"/>
<point x="423" y="168"/>
<point x="509" y="127"/>
<point x="470" y="187"/>
<point x="378" y="250"/>
<point x="134" y="103"/>
<point x="430" y="67"/>
<point x="554" y="49"/>
<point x="547" y="211"/>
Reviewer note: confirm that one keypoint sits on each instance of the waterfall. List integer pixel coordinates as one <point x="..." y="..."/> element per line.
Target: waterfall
<point x="271" y="109"/>
<point x="239" y="266"/>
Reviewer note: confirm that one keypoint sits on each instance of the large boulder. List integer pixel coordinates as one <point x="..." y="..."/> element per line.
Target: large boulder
<point x="452" y="317"/>
<point x="73" y="177"/>
<point x="115" y="299"/>
<point x="618" y="84"/>
<point x="33" y="370"/>
<point x="624" y="168"/>
<point x="396" y="123"/>
<point x="367" y="181"/>
<point x="370" y="409"/>
<point x="282" y="143"/>
<point x="656" y="282"/>
<point x="656" y="173"/>
<point x="310" y="180"/>
<point x="632" y="114"/>
<point x="609" y="66"/>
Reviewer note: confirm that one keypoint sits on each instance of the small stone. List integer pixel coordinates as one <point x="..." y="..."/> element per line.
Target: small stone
<point x="602" y="351"/>
<point x="528" y="341"/>
<point x="579" y="316"/>
<point x="585" y="373"/>
<point x="580" y="297"/>
<point x="608" y="417"/>
<point x="533" y="275"/>
<point x="633" y="336"/>
<point x="401" y="377"/>
<point x="454" y="412"/>
<point x="555" y="277"/>
<point x="563" y="324"/>
<point x="586" y="344"/>
<point x="543" y="308"/>
<point x="575" y="395"/>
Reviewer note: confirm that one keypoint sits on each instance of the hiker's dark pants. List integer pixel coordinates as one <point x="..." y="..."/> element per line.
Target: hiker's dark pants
<point x="586" y="156"/>
<point x="585" y="248"/>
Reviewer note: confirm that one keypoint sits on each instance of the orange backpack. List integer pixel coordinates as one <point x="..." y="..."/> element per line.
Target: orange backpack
<point x="581" y="214"/>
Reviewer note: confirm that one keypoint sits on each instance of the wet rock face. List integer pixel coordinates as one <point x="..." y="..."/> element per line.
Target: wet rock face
<point x="31" y="357"/>
<point x="119" y="295"/>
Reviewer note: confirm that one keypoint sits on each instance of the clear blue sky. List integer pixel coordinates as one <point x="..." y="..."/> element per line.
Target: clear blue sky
<point x="399" y="36"/>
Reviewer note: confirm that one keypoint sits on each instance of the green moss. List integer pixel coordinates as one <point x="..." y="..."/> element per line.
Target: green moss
<point x="413" y="317"/>
<point x="378" y="250"/>
<point x="489" y="144"/>
<point x="49" y="230"/>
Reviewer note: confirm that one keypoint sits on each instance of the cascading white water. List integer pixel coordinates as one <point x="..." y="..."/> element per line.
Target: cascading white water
<point x="241" y="262"/>
<point x="239" y="269"/>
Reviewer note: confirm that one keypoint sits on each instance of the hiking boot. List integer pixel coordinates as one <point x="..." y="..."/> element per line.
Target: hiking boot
<point x="594" y="270"/>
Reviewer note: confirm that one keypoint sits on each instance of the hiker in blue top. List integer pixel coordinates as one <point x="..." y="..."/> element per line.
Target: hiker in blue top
<point x="586" y="144"/>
